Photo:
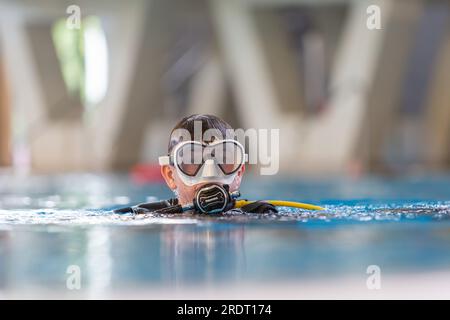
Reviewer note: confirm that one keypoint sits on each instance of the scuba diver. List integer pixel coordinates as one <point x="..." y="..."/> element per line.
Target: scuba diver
<point x="205" y="171"/>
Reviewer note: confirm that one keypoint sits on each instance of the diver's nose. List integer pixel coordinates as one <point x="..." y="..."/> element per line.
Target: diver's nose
<point x="210" y="169"/>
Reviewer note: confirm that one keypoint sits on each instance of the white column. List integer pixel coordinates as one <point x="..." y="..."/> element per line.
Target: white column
<point x="438" y="114"/>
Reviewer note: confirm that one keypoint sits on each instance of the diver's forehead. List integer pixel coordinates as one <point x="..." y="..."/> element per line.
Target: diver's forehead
<point x="207" y="136"/>
<point x="177" y="140"/>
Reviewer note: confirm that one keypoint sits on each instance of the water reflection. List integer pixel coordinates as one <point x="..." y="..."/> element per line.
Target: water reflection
<point x="205" y="255"/>
<point x="115" y="257"/>
<point x="45" y="226"/>
<point x="98" y="259"/>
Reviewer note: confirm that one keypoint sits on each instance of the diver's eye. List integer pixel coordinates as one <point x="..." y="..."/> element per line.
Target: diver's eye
<point x="190" y="158"/>
<point x="229" y="156"/>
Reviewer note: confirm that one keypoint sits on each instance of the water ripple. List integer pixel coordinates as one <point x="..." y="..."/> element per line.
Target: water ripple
<point x="349" y="213"/>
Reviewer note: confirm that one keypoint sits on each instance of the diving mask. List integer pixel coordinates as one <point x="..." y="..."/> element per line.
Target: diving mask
<point x="198" y="162"/>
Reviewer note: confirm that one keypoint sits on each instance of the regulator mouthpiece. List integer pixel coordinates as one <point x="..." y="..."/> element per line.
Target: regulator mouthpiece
<point x="214" y="198"/>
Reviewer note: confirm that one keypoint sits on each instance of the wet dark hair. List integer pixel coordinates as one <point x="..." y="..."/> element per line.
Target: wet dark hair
<point x="207" y="121"/>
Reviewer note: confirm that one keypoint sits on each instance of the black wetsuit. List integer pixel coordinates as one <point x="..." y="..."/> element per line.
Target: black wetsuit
<point x="254" y="207"/>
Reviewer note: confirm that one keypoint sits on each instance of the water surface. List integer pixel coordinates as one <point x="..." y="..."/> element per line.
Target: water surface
<point x="50" y="223"/>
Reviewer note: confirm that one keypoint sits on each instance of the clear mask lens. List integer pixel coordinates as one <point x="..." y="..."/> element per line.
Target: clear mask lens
<point x="190" y="158"/>
<point x="228" y="156"/>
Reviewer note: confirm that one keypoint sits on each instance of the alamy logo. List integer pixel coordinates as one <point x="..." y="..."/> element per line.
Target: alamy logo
<point x="263" y="145"/>
<point x="74" y="20"/>
<point x="373" y="282"/>
<point x="374" y="17"/>
<point x="73" y="281"/>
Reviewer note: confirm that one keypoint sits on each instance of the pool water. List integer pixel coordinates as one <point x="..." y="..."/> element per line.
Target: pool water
<point x="49" y="223"/>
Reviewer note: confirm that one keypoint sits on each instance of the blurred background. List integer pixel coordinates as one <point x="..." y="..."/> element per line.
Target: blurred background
<point x="97" y="85"/>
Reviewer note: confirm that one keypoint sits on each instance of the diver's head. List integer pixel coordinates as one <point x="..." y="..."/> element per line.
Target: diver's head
<point x="202" y="149"/>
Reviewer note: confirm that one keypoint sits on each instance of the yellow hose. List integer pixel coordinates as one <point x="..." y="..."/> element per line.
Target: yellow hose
<point x="281" y="203"/>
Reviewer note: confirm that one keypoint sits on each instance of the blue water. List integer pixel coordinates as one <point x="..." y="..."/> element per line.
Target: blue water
<point x="49" y="223"/>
